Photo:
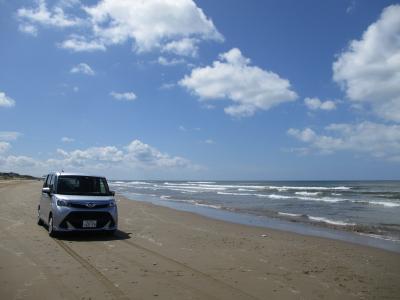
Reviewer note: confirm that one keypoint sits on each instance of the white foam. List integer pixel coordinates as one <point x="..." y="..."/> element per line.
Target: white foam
<point x="308" y="193"/>
<point x="220" y="186"/>
<point x="198" y="188"/>
<point x="332" y="222"/>
<point x="208" y="205"/>
<point x="323" y="199"/>
<point x="182" y="200"/>
<point x="227" y="186"/>
<point x="384" y="203"/>
<point x="289" y="214"/>
<point x="146" y="187"/>
<point x="183" y="191"/>
<point x="201" y="182"/>
<point x="318" y="188"/>
<point x="381" y="237"/>
<point x="261" y="195"/>
<point x="116" y="184"/>
<point x="193" y="202"/>
<point x="234" y="194"/>
<point x="274" y="196"/>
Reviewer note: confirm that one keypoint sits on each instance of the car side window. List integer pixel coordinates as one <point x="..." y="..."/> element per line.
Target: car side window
<point x="51" y="184"/>
<point x="55" y="179"/>
<point x="102" y="186"/>
<point x="46" y="181"/>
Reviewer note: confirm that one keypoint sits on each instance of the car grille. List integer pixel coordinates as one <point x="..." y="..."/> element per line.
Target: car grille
<point x="86" y="206"/>
<point x="76" y="218"/>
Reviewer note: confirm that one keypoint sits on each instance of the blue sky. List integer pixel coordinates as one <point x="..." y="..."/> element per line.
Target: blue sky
<point x="274" y="90"/>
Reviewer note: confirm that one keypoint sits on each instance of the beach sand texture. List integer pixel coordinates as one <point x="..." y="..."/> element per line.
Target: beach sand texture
<point x="161" y="253"/>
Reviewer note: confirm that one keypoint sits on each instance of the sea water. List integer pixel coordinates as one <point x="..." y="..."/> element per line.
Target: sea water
<point x="367" y="208"/>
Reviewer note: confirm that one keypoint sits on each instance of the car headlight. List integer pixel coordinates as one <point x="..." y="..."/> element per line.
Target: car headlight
<point x="62" y="203"/>
<point x="111" y="204"/>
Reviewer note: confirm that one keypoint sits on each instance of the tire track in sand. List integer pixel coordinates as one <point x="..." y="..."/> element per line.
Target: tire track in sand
<point x="112" y="289"/>
<point x="223" y="285"/>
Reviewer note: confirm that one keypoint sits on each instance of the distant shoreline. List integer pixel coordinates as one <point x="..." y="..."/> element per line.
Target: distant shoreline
<point x="14" y="176"/>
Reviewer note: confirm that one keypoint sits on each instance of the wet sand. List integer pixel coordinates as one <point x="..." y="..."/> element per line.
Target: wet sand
<point x="160" y="253"/>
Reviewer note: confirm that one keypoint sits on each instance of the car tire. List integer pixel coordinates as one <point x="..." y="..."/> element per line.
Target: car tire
<point x="39" y="220"/>
<point x="52" y="232"/>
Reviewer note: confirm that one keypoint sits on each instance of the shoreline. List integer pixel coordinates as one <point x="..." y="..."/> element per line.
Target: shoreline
<point x="169" y="254"/>
<point x="369" y="210"/>
<point x="291" y="225"/>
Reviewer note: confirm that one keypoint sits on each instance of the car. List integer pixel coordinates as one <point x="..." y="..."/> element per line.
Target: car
<point x="77" y="202"/>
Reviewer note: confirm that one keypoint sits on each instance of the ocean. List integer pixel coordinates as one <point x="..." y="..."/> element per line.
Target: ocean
<point x="366" y="208"/>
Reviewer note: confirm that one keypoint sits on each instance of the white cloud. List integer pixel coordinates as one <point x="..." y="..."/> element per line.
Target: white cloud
<point x="131" y="158"/>
<point x="68" y="3"/>
<point x="316" y="104"/>
<point x="170" y="62"/>
<point x="82" y="68"/>
<point x="6" y="101"/>
<point x="9" y="135"/>
<point x="135" y="154"/>
<point x="28" y="29"/>
<point x="351" y="7"/>
<point x="4" y="147"/>
<point x="167" y="86"/>
<point x="377" y="140"/>
<point x="151" y="24"/>
<point x="146" y="155"/>
<point x="128" y="96"/>
<point x="184" y="47"/>
<point x="13" y="162"/>
<point x="101" y="154"/>
<point x="173" y="26"/>
<point x="209" y="141"/>
<point x="80" y="44"/>
<point x="5" y="138"/>
<point x="369" y="70"/>
<point x="306" y="135"/>
<point x="250" y="88"/>
<point x="42" y="15"/>
<point x="66" y="139"/>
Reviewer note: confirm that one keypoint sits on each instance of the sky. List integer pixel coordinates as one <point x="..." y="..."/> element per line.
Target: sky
<point x="191" y="90"/>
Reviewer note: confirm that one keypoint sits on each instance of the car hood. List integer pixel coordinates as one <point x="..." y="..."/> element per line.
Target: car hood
<point x="83" y="198"/>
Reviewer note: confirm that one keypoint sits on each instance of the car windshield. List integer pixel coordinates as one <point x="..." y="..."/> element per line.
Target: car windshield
<point x="82" y="185"/>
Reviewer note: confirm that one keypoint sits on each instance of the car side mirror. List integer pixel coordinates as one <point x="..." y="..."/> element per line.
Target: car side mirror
<point x="112" y="193"/>
<point x="46" y="190"/>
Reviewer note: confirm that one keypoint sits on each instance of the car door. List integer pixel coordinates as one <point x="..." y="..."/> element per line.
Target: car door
<point x="43" y="198"/>
<point x="46" y="200"/>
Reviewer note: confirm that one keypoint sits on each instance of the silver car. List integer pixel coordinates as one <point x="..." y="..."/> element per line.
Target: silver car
<point x="77" y="202"/>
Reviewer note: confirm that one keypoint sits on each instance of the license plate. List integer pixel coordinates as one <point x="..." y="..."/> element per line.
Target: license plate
<point x="89" y="224"/>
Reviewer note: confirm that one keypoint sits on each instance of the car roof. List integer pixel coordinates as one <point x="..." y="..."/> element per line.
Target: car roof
<point x="75" y="174"/>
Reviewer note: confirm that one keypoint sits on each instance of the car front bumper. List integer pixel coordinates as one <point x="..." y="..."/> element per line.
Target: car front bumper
<point x="71" y="219"/>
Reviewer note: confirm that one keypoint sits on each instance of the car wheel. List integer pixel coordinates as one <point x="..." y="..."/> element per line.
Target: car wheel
<point x="39" y="220"/>
<point x="52" y="232"/>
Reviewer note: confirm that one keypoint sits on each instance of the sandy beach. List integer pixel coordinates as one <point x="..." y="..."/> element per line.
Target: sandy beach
<point x="160" y="253"/>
